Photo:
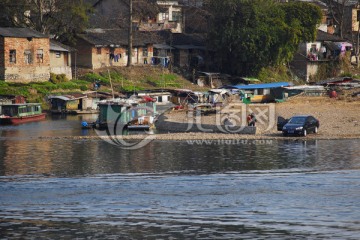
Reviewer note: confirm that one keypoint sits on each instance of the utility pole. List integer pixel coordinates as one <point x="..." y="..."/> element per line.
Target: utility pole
<point x="129" y="62"/>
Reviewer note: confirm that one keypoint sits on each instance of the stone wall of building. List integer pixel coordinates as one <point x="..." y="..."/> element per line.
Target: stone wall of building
<point x="20" y="68"/>
<point x="60" y="63"/>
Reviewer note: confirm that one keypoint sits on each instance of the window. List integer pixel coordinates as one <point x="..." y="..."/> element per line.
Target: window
<point x="313" y="48"/>
<point x="145" y="52"/>
<point x="40" y="55"/>
<point x="165" y="16"/>
<point x="176" y="16"/>
<point x="12" y="56"/>
<point x="358" y="15"/>
<point x="98" y="51"/>
<point x="58" y="54"/>
<point x="27" y="56"/>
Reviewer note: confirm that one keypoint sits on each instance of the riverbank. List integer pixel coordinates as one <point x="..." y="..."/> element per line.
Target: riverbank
<point x="339" y="119"/>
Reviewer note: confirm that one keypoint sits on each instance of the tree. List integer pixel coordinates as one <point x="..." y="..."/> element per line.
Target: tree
<point x="248" y="35"/>
<point x="337" y="12"/>
<point x="60" y="18"/>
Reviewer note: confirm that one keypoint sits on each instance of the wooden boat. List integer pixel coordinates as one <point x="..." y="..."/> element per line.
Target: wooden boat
<point x="21" y="113"/>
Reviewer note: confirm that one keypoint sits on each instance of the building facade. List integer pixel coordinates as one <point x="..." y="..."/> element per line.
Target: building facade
<point x="24" y="55"/>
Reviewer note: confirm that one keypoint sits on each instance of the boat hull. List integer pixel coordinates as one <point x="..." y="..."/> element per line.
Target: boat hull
<point x="25" y="119"/>
<point x="138" y="127"/>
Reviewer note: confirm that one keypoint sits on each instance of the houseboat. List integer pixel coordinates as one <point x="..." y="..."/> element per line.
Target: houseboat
<point x="136" y="113"/>
<point x="21" y="113"/>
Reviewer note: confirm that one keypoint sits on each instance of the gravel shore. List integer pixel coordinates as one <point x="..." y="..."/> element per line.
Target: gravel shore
<point x="338" y="119"/>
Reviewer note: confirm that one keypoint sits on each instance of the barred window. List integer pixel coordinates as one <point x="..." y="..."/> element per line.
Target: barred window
<point x="28" y="57"/>
<point x="40" y="55"/>
<point x="12" y="56"/>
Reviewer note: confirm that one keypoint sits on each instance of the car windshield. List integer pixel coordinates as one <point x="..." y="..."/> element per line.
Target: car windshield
<point x="297" y="120"/>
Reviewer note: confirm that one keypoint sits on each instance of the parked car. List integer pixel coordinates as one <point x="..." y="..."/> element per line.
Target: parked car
<point x="299" y="125"/>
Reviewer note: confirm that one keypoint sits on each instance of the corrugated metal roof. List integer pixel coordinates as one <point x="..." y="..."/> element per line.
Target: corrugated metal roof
<point x="68" y="97"/>
<point x="21" y="33"/>
<point x="263" y="85"/>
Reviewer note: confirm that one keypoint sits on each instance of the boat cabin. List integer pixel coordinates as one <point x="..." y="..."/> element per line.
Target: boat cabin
<point x="19" y="113"/>
<point x="21" y="110"/>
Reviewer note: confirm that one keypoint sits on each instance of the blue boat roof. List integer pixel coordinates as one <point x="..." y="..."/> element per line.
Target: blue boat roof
<point x="262" y="85"/>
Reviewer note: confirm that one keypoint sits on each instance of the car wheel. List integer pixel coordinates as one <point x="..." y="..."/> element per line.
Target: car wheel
<point x="316" y="130"/>
<point x="284" y="134"/>
<point x="304" y="133"/>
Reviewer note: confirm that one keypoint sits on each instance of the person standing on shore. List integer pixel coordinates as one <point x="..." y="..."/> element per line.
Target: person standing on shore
<point x="251" y="119"/>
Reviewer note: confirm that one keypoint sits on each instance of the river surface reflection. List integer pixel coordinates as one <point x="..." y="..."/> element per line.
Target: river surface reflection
<point x="61" y="188"/>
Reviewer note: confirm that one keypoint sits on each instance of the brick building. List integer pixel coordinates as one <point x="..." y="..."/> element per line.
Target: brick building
<point x="103" y="48"/>
<point x="24" y="55"/>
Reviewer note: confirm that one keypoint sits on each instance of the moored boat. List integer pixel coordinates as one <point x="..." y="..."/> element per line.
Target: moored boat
<point x="135" y="113"/>
<point x="21" y="113"/>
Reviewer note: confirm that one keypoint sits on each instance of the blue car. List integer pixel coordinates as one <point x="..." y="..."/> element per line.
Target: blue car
<point x="300" y="125"/>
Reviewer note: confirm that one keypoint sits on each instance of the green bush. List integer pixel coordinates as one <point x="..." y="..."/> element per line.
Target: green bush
<point x="273" y="74"/>
<point x="83" y="88"/>
<point x="80" y="82"/>
<point x="115" y="76"/>
<point x="3" y="84"/>
<point x="58" y="78"/>
<point x="131" y="88"/>
<point x="68" y="85"/>
<point x="43" y="87"/>
<point x="93" y="77"/>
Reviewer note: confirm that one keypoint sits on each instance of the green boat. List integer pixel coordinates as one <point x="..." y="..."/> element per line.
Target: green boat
<point x="21" y="113"/>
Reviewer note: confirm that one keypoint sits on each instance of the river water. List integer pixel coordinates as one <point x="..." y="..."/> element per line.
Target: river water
<point x="69" y="188"/>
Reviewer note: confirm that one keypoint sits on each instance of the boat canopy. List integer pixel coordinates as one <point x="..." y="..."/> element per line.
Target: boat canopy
<point x="262" y="85"/>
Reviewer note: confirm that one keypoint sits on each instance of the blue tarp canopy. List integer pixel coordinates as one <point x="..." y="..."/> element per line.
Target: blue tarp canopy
<point x="262" y="85"/>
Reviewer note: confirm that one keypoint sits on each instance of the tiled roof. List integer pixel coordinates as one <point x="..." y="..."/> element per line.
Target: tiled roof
<point x="21" y="33"/>
<point x="324" y="36"/>
<point x="180" y="39"/>
<point x="56" y="46"/>
<point x="120" y="38"/>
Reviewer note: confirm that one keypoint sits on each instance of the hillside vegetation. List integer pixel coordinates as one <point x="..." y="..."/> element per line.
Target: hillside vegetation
<point x="121" y="79"/>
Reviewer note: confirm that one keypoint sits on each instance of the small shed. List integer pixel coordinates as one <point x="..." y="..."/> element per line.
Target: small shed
<point x="12" y="99"/>
<point x="264" y="92"/>
<point x="66" y="103"/>
<point x="183" y="97"/>
<point x="217" y="96"/>
<point x="162" y="97"/>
